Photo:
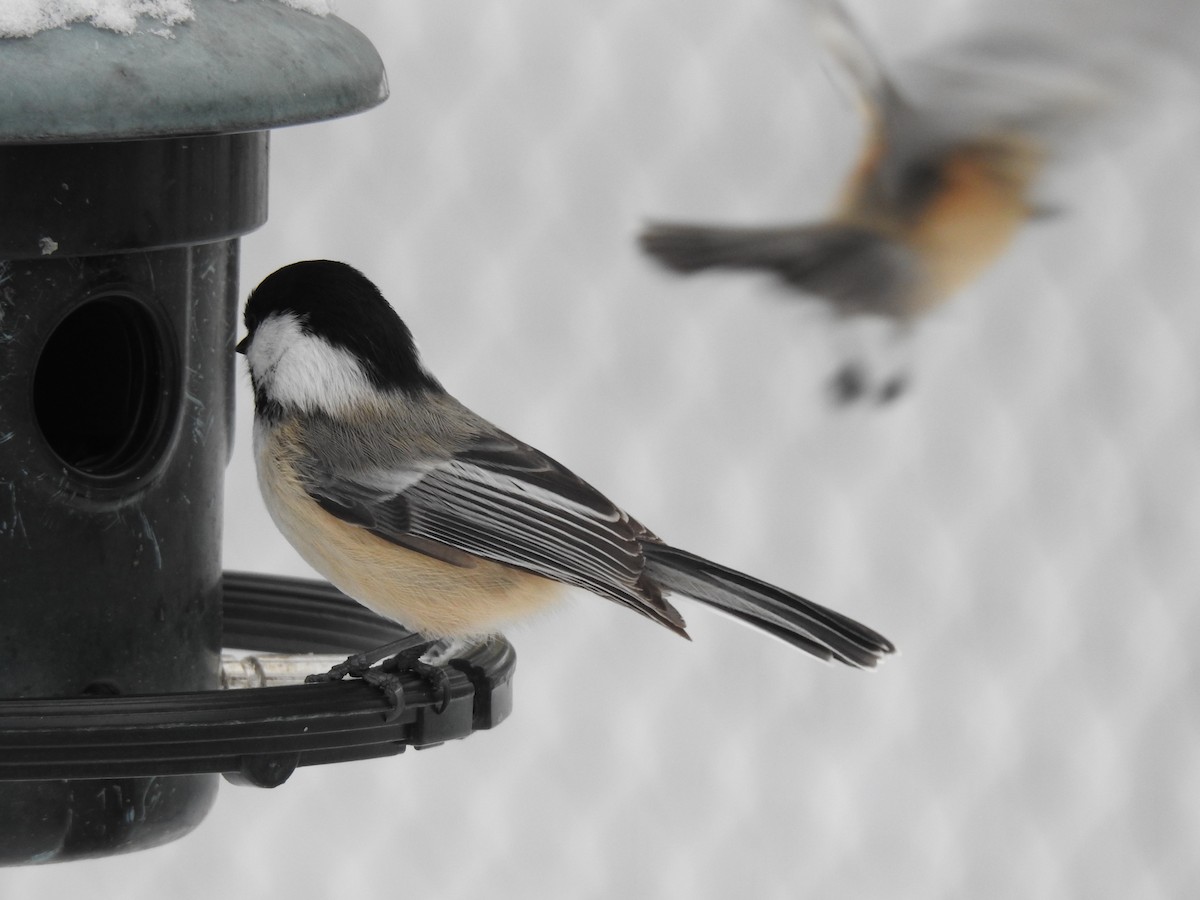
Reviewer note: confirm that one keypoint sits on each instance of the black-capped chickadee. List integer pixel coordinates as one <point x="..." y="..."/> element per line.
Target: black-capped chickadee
<point x="431" y="516"/>
<point x="943" y="181"/>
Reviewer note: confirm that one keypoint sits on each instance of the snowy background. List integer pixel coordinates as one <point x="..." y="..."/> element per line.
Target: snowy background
<point x="1023" y="524"/>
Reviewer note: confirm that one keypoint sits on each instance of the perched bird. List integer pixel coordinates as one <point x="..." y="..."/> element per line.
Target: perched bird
<point x="944" y="180"/>
<point x="431" y="516"/>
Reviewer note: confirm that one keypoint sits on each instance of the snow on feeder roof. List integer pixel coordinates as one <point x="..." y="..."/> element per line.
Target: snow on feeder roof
<point x="93" y="70"/>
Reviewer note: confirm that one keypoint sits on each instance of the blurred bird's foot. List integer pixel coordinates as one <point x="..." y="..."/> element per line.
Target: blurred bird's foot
<point x="892" y="388"/>
<point x="848" y="384"/>
<point x="852" y="383"/>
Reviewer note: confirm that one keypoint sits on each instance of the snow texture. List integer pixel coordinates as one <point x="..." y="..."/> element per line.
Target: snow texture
<point x="24" y="18"/>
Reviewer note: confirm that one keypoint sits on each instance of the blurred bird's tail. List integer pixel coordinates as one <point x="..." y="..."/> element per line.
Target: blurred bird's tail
<point x="857" y="269"/>
<point x="815" y="629"/>
<point x="692" y="248"/>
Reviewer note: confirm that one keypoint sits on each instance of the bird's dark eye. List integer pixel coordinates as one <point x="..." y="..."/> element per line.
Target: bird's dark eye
<point x="922" y="179"/>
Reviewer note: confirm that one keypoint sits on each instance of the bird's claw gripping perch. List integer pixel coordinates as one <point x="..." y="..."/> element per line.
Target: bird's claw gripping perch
<point x="354" y="666"/>
<point x="435" y="676"/>
<point x="386" y="674"/>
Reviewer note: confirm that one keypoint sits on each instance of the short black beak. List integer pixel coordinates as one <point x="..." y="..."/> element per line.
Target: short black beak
<point x="243" y="344"/>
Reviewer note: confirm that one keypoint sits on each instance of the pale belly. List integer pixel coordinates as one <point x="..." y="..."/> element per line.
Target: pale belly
<point x="423" y="594"/>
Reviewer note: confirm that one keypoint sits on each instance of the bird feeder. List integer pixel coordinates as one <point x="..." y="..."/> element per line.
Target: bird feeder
<point x="130" y="165"/>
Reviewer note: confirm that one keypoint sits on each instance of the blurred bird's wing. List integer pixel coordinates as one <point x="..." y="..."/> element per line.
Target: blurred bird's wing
<point x="878" y="98"/>
<point x="504" y="501"/>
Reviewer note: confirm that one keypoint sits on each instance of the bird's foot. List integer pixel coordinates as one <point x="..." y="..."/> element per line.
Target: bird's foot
<point x="386" y="675"/>
<point x="433" y="674"/>
<point x="354" y="665"/>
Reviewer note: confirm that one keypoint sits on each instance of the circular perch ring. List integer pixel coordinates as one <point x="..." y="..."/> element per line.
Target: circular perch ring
<point x="259" y="736"/>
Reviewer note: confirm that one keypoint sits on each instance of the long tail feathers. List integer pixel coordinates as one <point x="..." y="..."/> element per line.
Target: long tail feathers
<point x="815" y="629"/>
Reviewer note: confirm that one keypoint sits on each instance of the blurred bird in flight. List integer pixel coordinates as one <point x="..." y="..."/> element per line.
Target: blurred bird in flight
<point x="947" y="175"/>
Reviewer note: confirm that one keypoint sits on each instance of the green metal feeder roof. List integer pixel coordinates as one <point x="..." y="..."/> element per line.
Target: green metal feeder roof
<point x="239" y="66"/>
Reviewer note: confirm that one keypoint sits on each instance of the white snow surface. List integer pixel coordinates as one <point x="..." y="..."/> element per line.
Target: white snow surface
<point x="24" y="18"/>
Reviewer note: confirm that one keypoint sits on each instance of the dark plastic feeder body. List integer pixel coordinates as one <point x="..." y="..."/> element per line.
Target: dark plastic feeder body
<point x="129" y="167"/>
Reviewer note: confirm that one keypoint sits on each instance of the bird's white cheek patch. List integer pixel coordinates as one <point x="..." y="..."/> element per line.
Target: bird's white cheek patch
<point x="306" y="371"/>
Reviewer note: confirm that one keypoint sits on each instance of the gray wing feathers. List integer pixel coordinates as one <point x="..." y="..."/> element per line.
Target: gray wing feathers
<point x="503" y="501"/>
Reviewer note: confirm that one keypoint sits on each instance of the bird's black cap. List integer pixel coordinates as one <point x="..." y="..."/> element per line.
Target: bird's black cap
<point x="336" y="302"/>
